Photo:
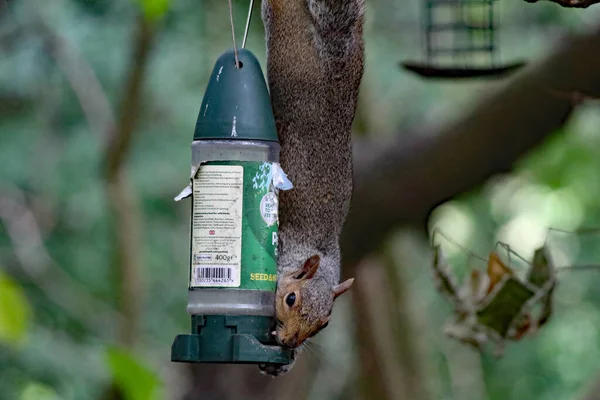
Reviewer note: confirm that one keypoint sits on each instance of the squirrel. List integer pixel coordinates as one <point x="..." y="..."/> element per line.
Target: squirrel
<point x="315" y="63"/>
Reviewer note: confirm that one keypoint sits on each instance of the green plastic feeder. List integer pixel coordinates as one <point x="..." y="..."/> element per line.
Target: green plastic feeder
<point x="234" y="221"/>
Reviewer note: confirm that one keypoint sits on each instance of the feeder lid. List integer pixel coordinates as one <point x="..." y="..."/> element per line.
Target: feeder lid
<point x="236" y="104"/>
<point x="229" y="339"/>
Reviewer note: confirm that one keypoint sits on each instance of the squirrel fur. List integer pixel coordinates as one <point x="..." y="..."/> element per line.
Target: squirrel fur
<point x="315" y="62"/>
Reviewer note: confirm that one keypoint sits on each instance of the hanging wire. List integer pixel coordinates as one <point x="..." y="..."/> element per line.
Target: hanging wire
<point x="235" y="51"/>
<point x="438" y="232"/>
<point x="568" y="268"/>
<point x="247" y="24"/>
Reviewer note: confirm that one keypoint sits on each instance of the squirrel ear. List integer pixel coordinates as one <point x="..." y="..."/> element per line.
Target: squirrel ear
<point x="310" y="268"/>
<point x="342" y="287"/>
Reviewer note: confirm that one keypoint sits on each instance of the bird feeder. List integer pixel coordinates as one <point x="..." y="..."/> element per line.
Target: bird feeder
<point x="460" y="41"/>
<point x="234" y="219"/>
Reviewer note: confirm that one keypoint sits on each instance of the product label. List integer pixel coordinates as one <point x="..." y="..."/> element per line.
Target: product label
<point x="268" y="208"/>
<point x="234" y="226"/>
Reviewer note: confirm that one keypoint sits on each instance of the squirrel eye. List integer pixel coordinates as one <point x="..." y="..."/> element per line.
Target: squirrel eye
<point x="290" y="299"/>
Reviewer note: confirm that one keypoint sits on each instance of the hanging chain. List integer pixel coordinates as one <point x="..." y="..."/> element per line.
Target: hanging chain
<point x="235" y="50"/>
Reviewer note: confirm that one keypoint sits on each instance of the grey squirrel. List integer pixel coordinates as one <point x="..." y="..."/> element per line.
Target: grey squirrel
<point x="315" y="62"/>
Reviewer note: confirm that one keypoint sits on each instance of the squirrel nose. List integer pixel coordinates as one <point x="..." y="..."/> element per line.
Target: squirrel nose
<point x="283" y="341"/>
<point x="292" y="342"/>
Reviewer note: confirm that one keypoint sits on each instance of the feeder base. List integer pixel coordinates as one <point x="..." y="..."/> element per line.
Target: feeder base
<point x="429" y="71"/>
<point x="229" y="339"/>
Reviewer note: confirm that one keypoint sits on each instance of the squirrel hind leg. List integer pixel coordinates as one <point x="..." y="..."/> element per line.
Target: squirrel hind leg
<point x="332" y="15"/>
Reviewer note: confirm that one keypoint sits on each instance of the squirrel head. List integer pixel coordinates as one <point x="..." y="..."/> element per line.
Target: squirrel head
<point x="304" y="303"/>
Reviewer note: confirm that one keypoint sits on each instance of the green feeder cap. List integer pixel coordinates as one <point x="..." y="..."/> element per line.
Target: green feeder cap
<point x="236" y="104"/>
<point x="229" y="339"/>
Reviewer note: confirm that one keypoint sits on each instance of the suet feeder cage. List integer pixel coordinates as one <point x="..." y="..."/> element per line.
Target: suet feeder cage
<point x="460" y="41"/>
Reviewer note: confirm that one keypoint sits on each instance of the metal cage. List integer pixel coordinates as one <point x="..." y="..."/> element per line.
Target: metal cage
<point x="460" y="41"/>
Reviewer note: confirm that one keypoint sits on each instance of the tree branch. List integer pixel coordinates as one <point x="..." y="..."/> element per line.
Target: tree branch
<point x="37" y="264"/>
<point x="123" y="208"/>
<point x="81" y="78"/>
<point x="371" y="382"/>
<point x="400" y="182"/>
<point x="591" y="392"/>
<point x="403" y="328"/>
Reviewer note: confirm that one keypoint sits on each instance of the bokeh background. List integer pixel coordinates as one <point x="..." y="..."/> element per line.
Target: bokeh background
<point x="98" y="100"/>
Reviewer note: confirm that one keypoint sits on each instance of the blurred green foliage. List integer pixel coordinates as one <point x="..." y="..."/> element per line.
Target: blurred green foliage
<point x="35" y="391"/>
<point x="154" y="9"/>
<point x="52" y="164"/>
<point x="134" y="379"/>
<point x="15" y="312"/>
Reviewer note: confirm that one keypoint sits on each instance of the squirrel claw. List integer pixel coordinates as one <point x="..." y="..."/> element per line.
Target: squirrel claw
<point x="275" y="370"/>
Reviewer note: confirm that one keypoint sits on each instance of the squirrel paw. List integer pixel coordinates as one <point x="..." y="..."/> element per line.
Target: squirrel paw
<point x="276" y="370"/>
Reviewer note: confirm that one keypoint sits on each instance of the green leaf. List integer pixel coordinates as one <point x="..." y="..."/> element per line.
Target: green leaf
<point x="154" y="9"/>
<point x="135" y="380"/>
<point x="37" y="391"/>
<point x="14" y="312"/>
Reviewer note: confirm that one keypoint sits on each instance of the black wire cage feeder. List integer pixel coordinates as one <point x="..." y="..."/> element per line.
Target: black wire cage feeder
<point x="460" y="41"/>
